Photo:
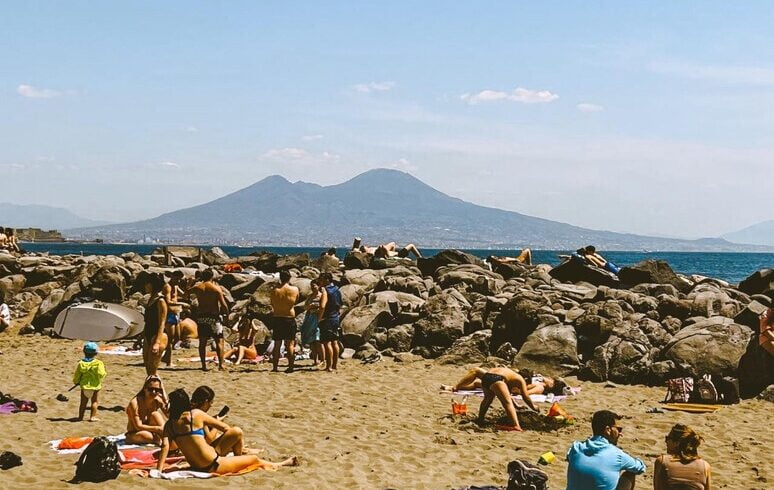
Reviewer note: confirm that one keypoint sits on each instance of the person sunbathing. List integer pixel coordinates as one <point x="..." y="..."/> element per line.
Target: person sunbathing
<point x="186" y="426"/>
<point x="391" y="250"/>
<point x="682" y="467"/>
<point x="593" y="258"/>
<point x="246" y="344"/>
<point x="146" y="413"/>
<point x="536" y="384"/>
<point x="525" y="257"/>
<point x="500" y="382"/>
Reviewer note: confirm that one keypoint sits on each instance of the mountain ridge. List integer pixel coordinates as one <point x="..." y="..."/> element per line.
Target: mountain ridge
<point x="379" y="205"/>
<point x="42" y="216"/>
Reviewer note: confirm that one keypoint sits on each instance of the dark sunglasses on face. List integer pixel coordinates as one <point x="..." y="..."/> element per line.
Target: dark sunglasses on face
<point x="153" y="390"/>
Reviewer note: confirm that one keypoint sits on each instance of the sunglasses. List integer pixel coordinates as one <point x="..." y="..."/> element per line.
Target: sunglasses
<point x="618" y="428"/>
<point x="153" y="390"/>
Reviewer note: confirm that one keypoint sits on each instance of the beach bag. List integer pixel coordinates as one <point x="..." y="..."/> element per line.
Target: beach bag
<point x="728" y="389"/>
<point x="523" y="475"/>
<point x="9" y="460"/>
<point x="98" y="462"/>
<point x="679" y="390"/>
<point x="705" y="390"/>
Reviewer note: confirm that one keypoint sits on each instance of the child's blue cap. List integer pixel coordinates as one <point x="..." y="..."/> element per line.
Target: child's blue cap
<point x="91" y="348"/>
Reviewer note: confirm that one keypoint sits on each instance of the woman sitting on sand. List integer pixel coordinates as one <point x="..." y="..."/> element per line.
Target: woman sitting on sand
<point x="246" y="344"/>
<point x="155" y="338"/>
<point x="536" y="383"/>
<point x="186" y="426"/>
<point x="146" y="413"/>
<point x="682" y="468"/>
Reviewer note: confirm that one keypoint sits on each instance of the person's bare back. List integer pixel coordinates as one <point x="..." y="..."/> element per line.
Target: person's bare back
<point x="210" y="298"/>
<point x="283" y="300"/>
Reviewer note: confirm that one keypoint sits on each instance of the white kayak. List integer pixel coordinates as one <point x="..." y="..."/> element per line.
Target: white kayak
<point x="98" y="321"/>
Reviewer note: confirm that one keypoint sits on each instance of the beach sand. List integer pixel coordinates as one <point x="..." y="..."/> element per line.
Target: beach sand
<point x="382" y="425"/>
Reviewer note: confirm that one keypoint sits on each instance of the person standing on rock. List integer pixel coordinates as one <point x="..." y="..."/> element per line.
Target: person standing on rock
<point x="500" y="382"/>
<point x="175" y="307"/>
<point x="212" y="304"/>
<point x="283" y="299"/>
<point x="155" y="338"/>
<point x="330" y="321"/>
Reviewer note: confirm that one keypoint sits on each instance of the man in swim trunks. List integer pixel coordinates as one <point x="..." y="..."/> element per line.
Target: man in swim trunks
<point x="283" y="322"/>
<point x="171" y="293"/>
<point x="330" y="320"/>
<point x="499" y="382"/>
<point x="212" y="304"/>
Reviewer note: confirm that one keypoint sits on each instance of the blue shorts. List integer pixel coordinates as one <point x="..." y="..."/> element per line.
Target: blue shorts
<point x="173" y="318"/>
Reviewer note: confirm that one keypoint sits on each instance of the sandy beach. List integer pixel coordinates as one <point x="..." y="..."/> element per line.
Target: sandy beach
<point x="368" y="426"/>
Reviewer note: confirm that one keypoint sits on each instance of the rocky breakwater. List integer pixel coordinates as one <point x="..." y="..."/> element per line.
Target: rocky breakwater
<point x="647" y="325"/>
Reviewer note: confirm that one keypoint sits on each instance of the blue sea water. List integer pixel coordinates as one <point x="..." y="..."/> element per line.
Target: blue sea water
<point x="732" y="267"/>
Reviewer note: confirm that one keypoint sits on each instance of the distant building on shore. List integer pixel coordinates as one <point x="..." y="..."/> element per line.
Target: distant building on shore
<point x="38" y="235"/>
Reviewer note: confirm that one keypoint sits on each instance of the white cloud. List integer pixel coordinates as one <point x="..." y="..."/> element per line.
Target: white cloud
<point x="728" y="74"/>
<point x="369" y="87"/>
<point x="13" y="166"/>
<point x="192" y="129"/>
<point x="36" y="93"/>
<point x="588" y="107"/>
<point x="299" y="156"/>
<point x="285" y="154"/>
<point x="312" y="137"/>
<point x="168" y="164"/>
<point x="403" y="164"/>
<point x="519" y="94"/>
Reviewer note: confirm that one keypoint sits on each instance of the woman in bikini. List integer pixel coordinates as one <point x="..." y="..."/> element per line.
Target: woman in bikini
<point x="186" y="426"/>
<point x="155" y="337"/>
<point x="536" y="384"/>
<point x="146" y="413"/>
<point x="246" y="347"/>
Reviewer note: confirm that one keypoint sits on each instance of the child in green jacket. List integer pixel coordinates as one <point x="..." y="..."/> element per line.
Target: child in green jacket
<point x="89" y="375"/>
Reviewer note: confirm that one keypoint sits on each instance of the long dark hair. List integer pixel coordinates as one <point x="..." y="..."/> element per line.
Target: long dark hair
<point x="202" y="394"/>
<point x="179" y="402"/>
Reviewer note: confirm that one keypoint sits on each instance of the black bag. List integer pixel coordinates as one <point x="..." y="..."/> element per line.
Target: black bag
<point x="98" y="462"/>
<point x="9" y="460"/>
<point x="728" y="389"/>
<point x="523" y="475"/>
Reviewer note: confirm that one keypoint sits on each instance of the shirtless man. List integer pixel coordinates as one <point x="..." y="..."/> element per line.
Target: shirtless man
<point x="283" y="321"/>
<point x="499" y="382"/>
<point x="146" y="413"/>
<point x="386" y="250"/>
<point x="171" y="293"/>
<point x="212" y="304"/>
<point x="525" y="257"/>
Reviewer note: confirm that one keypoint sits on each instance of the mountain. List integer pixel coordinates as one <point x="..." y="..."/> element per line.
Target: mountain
<point x="758" y="234"/>
<point x="379" y="205"/>
<point x="44" y="217"/>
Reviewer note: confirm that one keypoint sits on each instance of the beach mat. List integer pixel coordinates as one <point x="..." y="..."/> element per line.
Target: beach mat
<point x="691" y="407"/>
<point x="76" y="445"/>
<point x="180" y="474"/>
<point x="136" y="459"/>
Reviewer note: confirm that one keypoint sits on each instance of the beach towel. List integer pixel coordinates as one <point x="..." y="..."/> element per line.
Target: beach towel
<point x="9" y="405"/>
<point x="132" y="459"/>
<point x="76" y="445"/>
<point x="179" y="474"/>
<point x="213" y="357"/>
<point x="119" y="350"/>
<point x="535" y="398"/>
<point x="691" y="407"/>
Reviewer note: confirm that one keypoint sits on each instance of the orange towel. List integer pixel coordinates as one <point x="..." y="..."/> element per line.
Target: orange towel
<point x="74" y="442"/>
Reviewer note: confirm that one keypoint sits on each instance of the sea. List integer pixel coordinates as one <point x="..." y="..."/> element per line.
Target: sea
<point x="729" y="266"/>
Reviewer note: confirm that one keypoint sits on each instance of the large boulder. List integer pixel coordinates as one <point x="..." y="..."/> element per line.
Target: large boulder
<point x="327" y="263"/>
<point x="403" y="301"/>
<point x="651" y="271"/>
<point x="400" y="338"/>
<point x="756" y="369"/>
<point x="361" y="321"/>
<point x="108" y="285"/>
<point x="470" y="349"/>
<point x="260" y="301"/>
<point x="363" y="277"/>
<point x="470" y="277"/>
<point x="49" y="309"/>
<point x="750" y="315"/>
<point x="10" y="286"/>
<point x="261" y="260"/>
<point x="550" y="349"/>
<point x="709" y="346"/>
<point x="575" y="271"/>
<point x="357" y="260"/>
<point x="246" y="288"/>
<point x="351" y="294"/>
<point x="428" y="265"/>
<point x="759" y="282"/>
<point x="215" y="256"/>
<point x="406" y="284"/>
<point x="293" y="261"/>
<point x="444" y="321"/>
<point x="624" y="359"/>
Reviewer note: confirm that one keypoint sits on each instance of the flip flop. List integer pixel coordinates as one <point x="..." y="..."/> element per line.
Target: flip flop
<point x="509" y="428"/>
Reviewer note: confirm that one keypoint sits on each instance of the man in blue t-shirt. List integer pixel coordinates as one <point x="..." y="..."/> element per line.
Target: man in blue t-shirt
<point x="597" y="463"/>
<point x="329" y="320"/>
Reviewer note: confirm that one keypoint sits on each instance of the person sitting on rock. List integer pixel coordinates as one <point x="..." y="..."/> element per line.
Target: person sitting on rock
<point x="499" y="382"/>
<point x="3" y="238"/>
<point x="593" y="258"/>
<point x="536" y="384"/>
<point x="12" y="242"/>
<point x="525" y="257"/>
<point x="147" y="413"/>
<point x="766" y="331"/>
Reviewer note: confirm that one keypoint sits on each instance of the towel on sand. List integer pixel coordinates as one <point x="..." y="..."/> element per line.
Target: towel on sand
<point x="535" y="398"/>
<point x="178" y="474"/>
<point x="76" y="445"/>
<point x="119" y="350"/>
<point x="145" y="459"/>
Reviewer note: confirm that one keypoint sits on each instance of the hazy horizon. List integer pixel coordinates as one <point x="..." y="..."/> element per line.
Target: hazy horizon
<point x="647" y="118"/>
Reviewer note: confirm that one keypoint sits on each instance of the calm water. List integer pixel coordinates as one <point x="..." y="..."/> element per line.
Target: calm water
<point x="732" y="267"/>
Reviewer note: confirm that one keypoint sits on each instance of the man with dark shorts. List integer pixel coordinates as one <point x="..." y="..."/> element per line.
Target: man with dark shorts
<point x="330" y="322"/>
<point x="212" y="304"/>
<point x="283" y="321"/>
<point x="499" y="382"/>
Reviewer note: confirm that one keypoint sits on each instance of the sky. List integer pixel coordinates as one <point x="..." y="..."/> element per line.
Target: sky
<point x="645" y="117"/>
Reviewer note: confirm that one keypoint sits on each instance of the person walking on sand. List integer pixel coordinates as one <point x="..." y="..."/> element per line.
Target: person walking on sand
<point x="89" y="375"/>
<point x="171" y="293"/>
<point x="283" y="299"/>
<point x="597" y="463"/>
<point x="330" y="320"/>
<point x="500" y="382"/>
<point x="682" y="467"/>
<point x="212" y="304"/>
<point x="155" y="337"/>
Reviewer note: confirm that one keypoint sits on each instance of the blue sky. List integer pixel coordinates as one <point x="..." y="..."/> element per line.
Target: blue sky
<point x="649" y="117"/>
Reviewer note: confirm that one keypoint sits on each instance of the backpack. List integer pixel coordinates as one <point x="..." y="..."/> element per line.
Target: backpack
<point x="523" y="475"/>
<point x="679" y="390"/>
<point x="9" y="460"/>
<point x="728" y="389"/>
<point x="705" y="390"/>
<point x="98" y="462"/>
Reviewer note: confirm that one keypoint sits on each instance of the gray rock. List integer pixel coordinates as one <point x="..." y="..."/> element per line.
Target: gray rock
<point x="471" y="278"/>
<point x="404" y="301"/>
<point x="406" y="357"/>
<point x="552" y="349"/>
<point x="767" y="394"/>
<point x="651" y="271"/>
<point x="357" y="260"/>
<point x="363" y="277"/>
<point x="10" y="286"/>
<point x="471" y="349"/>
<point x="361" y="321"/>
<point x="400" y="338"/>
<point x="573" y="271"/>
<point x="428" y="265"/>
<point x="444" y="321"/>
<point x="760" y="282"/>
<point x="327" y="263"/>
<point x="709" y="346"/>
<point x="364" y="351"/>
<point x="246" y="288"/>
<point x="293" y="261"/>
